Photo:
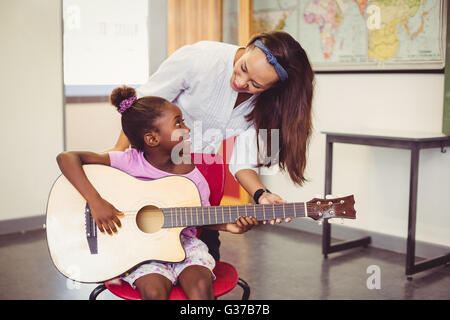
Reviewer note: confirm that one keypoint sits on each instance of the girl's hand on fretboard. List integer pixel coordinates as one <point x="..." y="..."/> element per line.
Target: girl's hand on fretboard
<point x="242" y="224"/>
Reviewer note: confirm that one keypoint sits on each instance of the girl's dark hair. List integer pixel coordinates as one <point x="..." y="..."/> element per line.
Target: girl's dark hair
<point x="287" y="105"/>
<point x="140" y="117"/>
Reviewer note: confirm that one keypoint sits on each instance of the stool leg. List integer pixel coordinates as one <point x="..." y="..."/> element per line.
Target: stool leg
<point x="96" y="292"/>
<point x="244" y="285"/>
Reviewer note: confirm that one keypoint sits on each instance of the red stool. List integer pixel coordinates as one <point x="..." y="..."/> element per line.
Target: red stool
<point x="213" y="169"/>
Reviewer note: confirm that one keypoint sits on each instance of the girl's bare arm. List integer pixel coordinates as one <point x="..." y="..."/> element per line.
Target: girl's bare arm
<point x="70" y="163"/>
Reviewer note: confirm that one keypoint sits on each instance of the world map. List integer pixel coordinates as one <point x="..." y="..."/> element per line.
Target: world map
<point x="360" y="33"/>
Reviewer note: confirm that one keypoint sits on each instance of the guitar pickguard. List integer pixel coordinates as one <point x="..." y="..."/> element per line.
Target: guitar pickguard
<point x="91" y="230"/>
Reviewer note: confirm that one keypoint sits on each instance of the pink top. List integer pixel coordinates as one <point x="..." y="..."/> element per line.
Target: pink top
<point x="134" y="163"/>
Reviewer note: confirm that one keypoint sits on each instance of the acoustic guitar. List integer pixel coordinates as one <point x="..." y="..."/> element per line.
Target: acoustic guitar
<point x="155" y="213"/>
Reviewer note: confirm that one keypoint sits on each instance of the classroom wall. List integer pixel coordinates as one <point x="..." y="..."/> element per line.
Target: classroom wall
<point x="92" y="126"/>
<point x="378" y="177"/>
<point x="31" y="91"/>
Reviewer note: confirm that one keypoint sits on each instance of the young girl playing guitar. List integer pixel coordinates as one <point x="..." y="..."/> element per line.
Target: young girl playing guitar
<point x="154" y="126"/>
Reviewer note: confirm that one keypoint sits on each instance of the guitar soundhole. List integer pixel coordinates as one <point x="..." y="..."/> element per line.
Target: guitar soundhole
<point x="149" y="219"/>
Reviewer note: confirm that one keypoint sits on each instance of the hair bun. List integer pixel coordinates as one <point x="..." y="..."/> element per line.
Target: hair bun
<point x="121" y="93"/>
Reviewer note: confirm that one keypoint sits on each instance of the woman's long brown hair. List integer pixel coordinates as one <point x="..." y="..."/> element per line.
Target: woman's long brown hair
<point x="286" y="106"/>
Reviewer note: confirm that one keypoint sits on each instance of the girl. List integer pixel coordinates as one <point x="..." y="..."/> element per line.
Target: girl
<point x="154" y="127"/>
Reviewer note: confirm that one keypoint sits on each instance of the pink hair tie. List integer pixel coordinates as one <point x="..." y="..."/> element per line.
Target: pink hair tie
<point x="125" y="104"/>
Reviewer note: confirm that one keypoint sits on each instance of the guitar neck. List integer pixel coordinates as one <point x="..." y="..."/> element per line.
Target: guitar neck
<point x="200" y="216"/>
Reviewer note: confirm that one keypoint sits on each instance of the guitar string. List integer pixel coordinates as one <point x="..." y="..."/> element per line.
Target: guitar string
<point x="232" y="209"/>
<point x="299" y="204"/>
<point x="277" y="212"/>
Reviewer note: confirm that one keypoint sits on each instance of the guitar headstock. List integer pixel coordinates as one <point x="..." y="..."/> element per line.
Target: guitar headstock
<point x="331" y="208"/>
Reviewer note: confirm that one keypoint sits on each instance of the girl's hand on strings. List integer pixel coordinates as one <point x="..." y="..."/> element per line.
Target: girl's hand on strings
<point x="241" y="225"/>
<point x="272" y="198"/>
<point x="105" y="215"/>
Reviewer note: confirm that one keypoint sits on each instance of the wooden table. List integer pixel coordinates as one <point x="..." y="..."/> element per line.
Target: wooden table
<point x="412" y="141"/>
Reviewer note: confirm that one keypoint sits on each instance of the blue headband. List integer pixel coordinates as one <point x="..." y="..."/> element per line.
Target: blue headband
<point x="282" y="74"/>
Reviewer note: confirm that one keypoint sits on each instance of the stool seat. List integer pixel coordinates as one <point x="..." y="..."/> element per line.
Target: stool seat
<point x="226" y="279"/>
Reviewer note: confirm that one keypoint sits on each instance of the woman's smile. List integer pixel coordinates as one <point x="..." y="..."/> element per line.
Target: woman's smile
<point x="236" y="86"/>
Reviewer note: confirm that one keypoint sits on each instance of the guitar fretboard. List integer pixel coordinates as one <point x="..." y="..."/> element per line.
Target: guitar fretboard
<point x="200" y="216"/>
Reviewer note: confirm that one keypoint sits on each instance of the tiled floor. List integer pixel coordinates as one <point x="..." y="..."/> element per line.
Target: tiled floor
<point x="277" y="262"/>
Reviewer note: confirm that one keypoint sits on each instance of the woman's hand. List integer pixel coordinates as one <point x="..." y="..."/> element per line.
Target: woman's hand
<point x="250" y="181"/>
<point x="105" y="215"/>
<point x="241" y="225"/>
<point x="272" y="198"/>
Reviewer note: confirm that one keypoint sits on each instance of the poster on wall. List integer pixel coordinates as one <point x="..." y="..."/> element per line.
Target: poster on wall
<point x="352" y="35"/>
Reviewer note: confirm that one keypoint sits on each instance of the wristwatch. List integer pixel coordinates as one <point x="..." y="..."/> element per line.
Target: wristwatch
<point x="259" y="193"/>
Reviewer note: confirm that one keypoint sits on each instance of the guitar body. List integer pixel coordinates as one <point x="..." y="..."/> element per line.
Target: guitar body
<point x="141" y="237"/>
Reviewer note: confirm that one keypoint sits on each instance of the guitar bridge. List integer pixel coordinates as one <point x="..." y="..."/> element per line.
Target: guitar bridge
<point x="91" y="230"/>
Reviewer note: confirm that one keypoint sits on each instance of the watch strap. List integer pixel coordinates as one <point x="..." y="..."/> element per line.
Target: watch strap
<point x="258" y="194"/>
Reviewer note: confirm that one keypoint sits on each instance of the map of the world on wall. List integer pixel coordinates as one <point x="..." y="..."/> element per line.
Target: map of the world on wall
<point x="361" y="34"/>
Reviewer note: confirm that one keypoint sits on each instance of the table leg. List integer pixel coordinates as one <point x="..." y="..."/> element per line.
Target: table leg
<point x="411" y="266"/>
<point x="411" y="241"/>
<point x="326" y="228"/>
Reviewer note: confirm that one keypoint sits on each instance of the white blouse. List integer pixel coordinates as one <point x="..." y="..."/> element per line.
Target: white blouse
<point x="196" y="78"/>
